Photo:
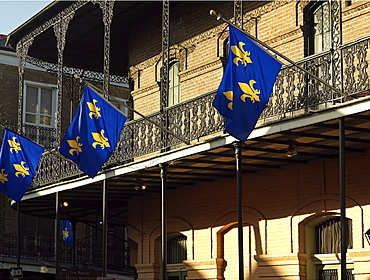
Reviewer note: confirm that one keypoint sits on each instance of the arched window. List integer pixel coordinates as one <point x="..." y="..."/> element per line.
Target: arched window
<point x="323" y="245"/>
<point x="174" y="83"/>
<point x="320" y="27"/>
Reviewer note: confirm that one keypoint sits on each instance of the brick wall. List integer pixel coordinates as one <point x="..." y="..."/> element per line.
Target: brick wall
<point x="287" y="197"/>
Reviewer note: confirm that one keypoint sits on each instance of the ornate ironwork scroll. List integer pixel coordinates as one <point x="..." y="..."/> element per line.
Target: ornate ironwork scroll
<point x="165" y="66"/>
<point x="107" y="9"/>
<point x="165" y="54"/>
<point x="22" y="50"/>
<point x="238" y="13"/>
<point x="60" y="31"/>
<point x="335" y="7"/>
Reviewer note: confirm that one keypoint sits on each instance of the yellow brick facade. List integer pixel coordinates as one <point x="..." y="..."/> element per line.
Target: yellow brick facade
<point x="279" y="205"/>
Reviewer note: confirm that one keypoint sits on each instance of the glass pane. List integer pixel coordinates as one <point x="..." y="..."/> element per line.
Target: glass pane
<point x="174" y="84"/>
<point x="170" y="97"/>
<point x="45" y="120"/>
<point x="46" y="101"/>
<point x="322" y="28"/>
<point x="31" y="118"/>
<point x="31" y="99"/>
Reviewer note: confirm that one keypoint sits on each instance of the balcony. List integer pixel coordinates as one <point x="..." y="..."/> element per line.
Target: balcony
<point x="41" y="251"/>
<point x="295" y="94"/>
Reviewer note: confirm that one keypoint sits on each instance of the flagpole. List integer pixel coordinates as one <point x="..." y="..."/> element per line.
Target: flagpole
<point x="141" y="115"/>
<point x="219" y="16"/>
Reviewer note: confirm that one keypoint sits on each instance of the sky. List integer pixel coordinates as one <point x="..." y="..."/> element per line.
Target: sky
<point x="14" y="13"/>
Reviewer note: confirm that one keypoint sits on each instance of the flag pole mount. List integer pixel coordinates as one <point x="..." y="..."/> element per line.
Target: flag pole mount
<point x="214" y="13"/>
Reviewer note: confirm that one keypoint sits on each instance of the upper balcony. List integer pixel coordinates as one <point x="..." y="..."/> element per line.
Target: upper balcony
<point x="295" y="95"/>
<point x="301" y="111"/>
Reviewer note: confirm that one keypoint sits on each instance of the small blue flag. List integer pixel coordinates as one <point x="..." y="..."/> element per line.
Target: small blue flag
<point x="67" y="232"/>
<point x="93" y="133"/>
<point x="19" y="158"/>
<point x="246" y="86"/>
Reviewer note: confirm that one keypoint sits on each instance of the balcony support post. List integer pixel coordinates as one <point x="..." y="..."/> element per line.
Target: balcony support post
<point x="343" y="220"/>
<point x="60" y="31"/>
<point x="21" y="51"/>
<point x="239" y="189"/>
<point x="105" y="230"/>
<point x="57" y="233"/>
<point x="107" y="10"/>
<point x="163" y="270"/>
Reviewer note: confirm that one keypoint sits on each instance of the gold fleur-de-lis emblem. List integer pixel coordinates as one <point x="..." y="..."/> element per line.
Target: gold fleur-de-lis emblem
<point x="76" y="147"/>
<point x="22" y="169"/>
<point x="229" y="95"/>
<point x="3" y="176"/>
<point x="14" y="146"/>
<point x="95" y="111"/>
<point x="249" y="91"/>
<point x="65" y="233"/>
<point x="100" y="139"/>
<point x="241" y="55"/>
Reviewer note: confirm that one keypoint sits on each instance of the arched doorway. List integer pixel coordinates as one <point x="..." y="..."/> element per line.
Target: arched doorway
<point x="176" y="254"/>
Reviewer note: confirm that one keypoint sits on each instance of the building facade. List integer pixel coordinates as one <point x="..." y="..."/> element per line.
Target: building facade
<point x="173" y="178"/>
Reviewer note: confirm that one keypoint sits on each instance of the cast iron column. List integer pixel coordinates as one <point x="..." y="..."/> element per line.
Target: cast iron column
<point x="343" y="220"/>
<point x="163" y="271"/>
<point x="239" y="187"/>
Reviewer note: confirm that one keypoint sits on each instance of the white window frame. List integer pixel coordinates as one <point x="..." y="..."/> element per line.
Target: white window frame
<point x="115" y="103"/>
<point x="54" y="101"/>
<point x="174" y="86"/>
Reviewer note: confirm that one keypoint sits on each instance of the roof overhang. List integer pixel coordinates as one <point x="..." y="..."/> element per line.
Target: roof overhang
<point x="84" y="48"/>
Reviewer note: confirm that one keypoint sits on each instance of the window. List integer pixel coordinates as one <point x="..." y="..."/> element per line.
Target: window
<point x="174" y="83"/>
<point x="177" y="251"/>
<point x="323" y="245"/>
<point x="39" y="113"/>
<point x="320" y="27"/>
<point x="117" y="102"/>
<point x="328" y="236"/>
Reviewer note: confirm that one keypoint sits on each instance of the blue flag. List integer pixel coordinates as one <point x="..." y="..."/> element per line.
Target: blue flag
<point x="67" y="232"/>
<point x="93" y="133"/>
<point x="19" y="158"/>
<point x="246" y="86"/>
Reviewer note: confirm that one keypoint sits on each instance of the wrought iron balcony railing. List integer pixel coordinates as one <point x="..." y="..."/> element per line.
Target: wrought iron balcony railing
<point x="295" y="93"/>
<point x="86" y="253"/>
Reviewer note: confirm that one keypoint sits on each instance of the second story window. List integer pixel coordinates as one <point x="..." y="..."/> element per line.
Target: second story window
<point x="39" y="113"/>
<point x="117" y="102"/>
<point x="320" y="27"/>
<point x="174" y="83"/>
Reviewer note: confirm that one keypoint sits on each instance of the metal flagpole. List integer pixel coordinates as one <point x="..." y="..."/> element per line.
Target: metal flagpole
<point x="105" y="230"/>
<point x="343" y="220"/>
<point x="219" y="16"/>
<point x="163" y="271"/>
<point x="239" y="186"/>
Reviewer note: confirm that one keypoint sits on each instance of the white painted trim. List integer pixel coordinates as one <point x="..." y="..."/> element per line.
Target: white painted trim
<point x="10" y="58"/>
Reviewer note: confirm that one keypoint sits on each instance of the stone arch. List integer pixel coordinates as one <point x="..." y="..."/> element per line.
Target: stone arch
<point x="174" y="225"/>
<point x="252" y="217"/>
<point x="319" y="205"/>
